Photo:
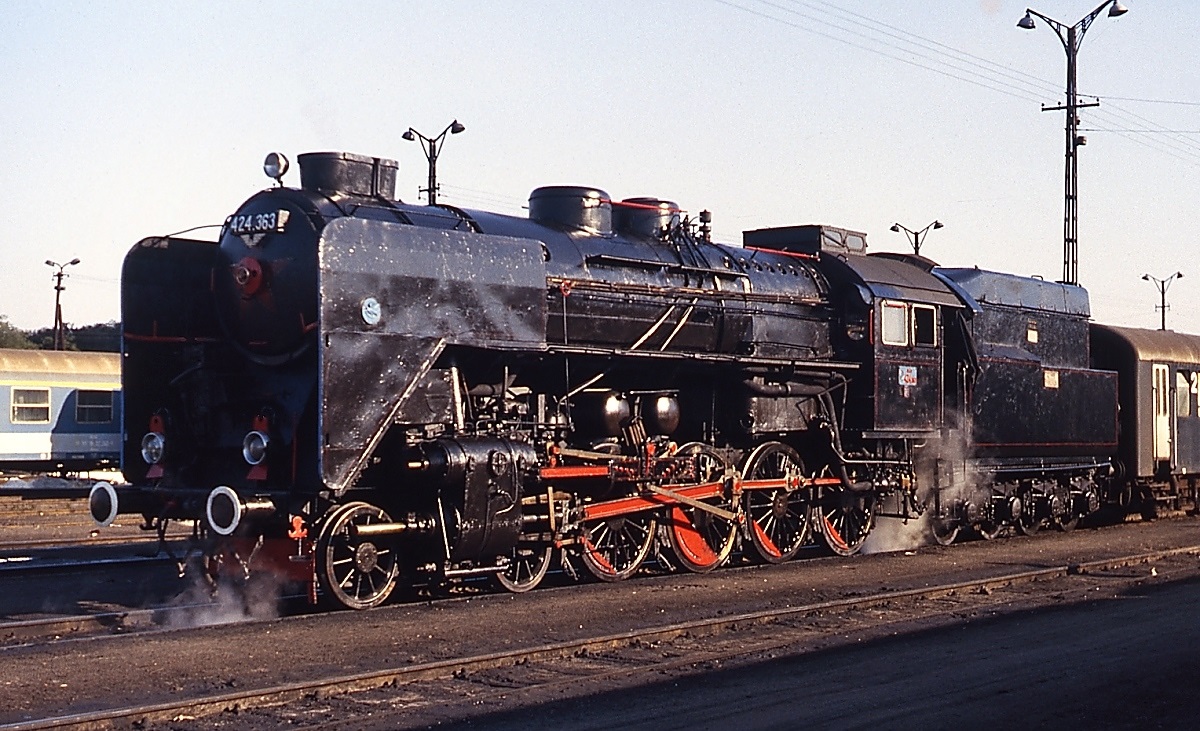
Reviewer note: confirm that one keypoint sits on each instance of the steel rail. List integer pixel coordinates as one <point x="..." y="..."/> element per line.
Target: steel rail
<point x="39" y="543"/>
<point x="275" y="695"/>
<point x="29" y="564"/>
<point x="84" y="625"/>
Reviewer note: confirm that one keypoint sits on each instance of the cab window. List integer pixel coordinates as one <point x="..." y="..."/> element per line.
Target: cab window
<point x="924" y="325"/>
<point x="894" y="323"/>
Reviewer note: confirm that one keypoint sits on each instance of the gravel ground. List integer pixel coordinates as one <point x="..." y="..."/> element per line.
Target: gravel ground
<point x="223" y="650"/>
<point x="1124" y="664"/>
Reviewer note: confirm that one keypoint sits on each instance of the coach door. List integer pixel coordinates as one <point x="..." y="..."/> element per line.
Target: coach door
<point x="1162" y="413"/>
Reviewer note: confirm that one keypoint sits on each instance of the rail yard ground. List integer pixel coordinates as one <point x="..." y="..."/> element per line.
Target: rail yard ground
<point x="1107" y="645"/>
<point x="45" y="508"/>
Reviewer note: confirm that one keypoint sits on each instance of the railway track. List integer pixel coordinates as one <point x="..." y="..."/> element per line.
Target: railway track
<point x="29" y="564"/>
<point x="625" y="657"/>
<point x="43" y="630"/>
<point x="36" y="544"/>
<point x="39" y="518"/>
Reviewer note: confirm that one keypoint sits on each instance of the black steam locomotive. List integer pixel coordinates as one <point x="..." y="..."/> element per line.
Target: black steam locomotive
<point x="358" y="392"/>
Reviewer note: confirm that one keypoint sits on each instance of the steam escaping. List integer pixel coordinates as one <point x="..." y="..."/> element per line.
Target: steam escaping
<point x="230" y="601"/>
<point x="894" y="534"/>
<point x="946" y="463"/>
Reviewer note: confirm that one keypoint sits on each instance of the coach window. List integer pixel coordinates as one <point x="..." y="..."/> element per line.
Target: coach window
<point x="31" y="406"/>
<point x="1183" y="393"/>
<point x="924" y="325"/>
<point x="894" y="323"/>
<point x="93" y="407"/>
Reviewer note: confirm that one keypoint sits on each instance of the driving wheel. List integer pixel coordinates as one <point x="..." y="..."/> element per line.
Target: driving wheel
<point x="846" y="520"/>
<point x="702" y="540"/>
<point x="614" y="548"/>
<point x="780" y="520"/>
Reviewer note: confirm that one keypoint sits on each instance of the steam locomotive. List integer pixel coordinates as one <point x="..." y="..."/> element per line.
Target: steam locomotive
<point x="358" y="392"/>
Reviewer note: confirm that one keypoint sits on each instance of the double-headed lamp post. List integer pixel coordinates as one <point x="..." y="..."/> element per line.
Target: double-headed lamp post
<point x="432" y="146"/>
<point x="59" y="335"/>
<point x="916" y="237"/>
<point x="1163" y="285"/>
<point x="1071" y="37"/>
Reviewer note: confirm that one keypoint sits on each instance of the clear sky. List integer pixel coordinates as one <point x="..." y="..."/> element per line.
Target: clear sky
<point x="130" y="119"/>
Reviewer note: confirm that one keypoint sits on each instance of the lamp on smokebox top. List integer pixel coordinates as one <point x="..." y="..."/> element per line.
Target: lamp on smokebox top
<point x="276" y="166"/>
<point x="431" y="146"/>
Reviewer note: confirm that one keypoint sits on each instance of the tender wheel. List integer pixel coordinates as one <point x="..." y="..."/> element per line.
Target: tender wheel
<point x="527" y="568"/>
<point x="700" y="540"/>
<point x="846" y="520"/>
<point x="1029" y="522"/>
<point x="989" y="531"/>
<point x="780" y="520"/>
<point x="353" y="572"/>
<point x="945" y="530"/>
<point x="1067" y="524"/>
<point x="614" y="548"/>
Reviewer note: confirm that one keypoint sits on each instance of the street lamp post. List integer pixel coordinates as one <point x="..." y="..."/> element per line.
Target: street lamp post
<point x="431" y="147"/>
<point x="1071" y="37"/>
<point x="59" y="334"/>
<point x="1163" y="285"/>
<point x="916" y="237"/>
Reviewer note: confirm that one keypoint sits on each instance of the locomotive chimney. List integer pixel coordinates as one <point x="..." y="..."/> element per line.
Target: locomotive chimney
<point x="344" y="172"/>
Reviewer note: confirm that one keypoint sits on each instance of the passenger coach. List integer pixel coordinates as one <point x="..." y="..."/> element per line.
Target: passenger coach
<point x="62" y="410"/>
<point x="1159" y="446"/>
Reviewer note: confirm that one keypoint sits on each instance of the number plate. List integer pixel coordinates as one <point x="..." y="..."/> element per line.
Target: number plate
<point x="241" y="224"/>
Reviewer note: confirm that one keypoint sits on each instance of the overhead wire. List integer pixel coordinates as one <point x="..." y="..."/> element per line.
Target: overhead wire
<point x="874" y="36"/>
<point x="483" y="197"/>
<point x="869" y="34"/>
<point x="1122" y="116"/>
<point x="1117" y="114"/>
<point x="958" y="73"/>
<point x="1152" y="101"/>
<point x="985" y="65"/>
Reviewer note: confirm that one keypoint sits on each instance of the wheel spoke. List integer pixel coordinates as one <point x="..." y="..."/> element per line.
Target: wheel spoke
<point x="700" y="540"/>
<point x="614" y="548"/>
<point x="846" y="523"/>
<point x="354" y="573"/>
<point x="781" y="518"/>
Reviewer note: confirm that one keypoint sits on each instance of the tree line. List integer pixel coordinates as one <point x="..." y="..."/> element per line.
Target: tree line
<point x="102" y="337"/>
